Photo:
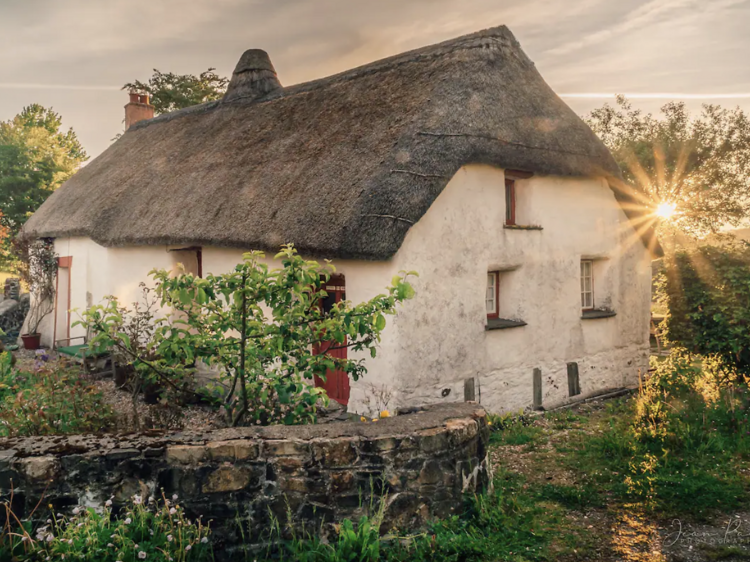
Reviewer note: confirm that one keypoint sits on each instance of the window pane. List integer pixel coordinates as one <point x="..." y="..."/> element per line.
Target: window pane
<point x="587" y="284"/>
<point x="490" y="295"/>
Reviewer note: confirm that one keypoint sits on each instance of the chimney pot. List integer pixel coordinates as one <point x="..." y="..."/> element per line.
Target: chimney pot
<point x="138" y="109"/>
<point x="253" y="77"/>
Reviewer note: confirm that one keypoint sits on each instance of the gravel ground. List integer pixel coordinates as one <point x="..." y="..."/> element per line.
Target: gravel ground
<point x="150" y="416"/>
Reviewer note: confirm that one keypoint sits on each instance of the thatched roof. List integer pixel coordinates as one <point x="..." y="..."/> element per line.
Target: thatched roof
<point x="341" y="167"/>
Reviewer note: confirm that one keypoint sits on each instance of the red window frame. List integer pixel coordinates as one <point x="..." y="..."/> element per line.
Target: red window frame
<point x="496" y="313"/>
<point x="510" y="201"/>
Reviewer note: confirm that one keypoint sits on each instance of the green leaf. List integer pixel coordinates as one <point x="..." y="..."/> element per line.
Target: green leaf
<point x="379" y="322"/>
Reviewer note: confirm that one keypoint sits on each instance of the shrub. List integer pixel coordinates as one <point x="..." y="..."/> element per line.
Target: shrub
<point x="53" y="400"/>
<point x="261" y="328"/>
<point x="706" y="290"/>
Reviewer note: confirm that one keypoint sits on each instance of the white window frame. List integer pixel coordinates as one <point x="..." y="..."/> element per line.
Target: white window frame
<point x="491" y="295"/>
<point x="587" y="284"/>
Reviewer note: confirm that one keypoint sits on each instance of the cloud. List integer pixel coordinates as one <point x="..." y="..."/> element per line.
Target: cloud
<point x="12" y="86"/>
<point x="658" y="96"/>
<point x="75" y="54"/>
<point x="640" y="17"/>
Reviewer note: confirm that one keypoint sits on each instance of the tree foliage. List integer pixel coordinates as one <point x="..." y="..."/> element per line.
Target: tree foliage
<point x="170" y="92"/>
<point x="260" y="328"/>
<point x="707" y="292"/>
<point x="36" y="157"/>
<point x="701" y="165"/>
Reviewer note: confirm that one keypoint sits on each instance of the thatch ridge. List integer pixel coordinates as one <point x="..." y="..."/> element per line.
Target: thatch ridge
<point x="341" y="166"/>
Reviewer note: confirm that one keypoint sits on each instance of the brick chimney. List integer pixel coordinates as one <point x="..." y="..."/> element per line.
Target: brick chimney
<point x="137" y="109"/>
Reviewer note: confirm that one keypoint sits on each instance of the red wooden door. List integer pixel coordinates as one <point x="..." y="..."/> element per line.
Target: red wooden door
<point x="337" y="381"/>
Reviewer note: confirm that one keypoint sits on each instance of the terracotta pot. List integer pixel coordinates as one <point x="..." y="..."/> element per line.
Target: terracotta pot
<point x="31" y="341"/>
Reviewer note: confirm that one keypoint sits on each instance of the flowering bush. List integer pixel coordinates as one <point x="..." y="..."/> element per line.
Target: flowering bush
<point x="52" y="400"/>
<point x="147" y="529"/>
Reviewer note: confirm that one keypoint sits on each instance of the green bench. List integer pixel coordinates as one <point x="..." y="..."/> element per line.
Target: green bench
<point x="83" y="354"/>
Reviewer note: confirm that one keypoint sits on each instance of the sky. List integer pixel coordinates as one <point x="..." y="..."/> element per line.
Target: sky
<point x="75" y="55"/>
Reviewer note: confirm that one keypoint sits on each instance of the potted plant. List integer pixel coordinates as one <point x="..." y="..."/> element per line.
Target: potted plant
<point x="37" y="267"/>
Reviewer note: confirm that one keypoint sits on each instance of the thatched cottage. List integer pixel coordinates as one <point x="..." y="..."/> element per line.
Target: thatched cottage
<point x="455" y="160"/>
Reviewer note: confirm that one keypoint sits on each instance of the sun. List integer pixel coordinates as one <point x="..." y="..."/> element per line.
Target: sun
<point x="665" y="210"/>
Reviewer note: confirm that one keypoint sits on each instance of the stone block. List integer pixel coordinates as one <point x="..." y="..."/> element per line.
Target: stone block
<point x="122" y="454"/>
<point x="430" y="473"/>
<point x="40" y="469"/>
<point x="286" y="448"/>
<point x="335" y="452"/>
<point x="462" y="430"/>
<point x="342" y="481"/>
<point x="128" y="488"/>
<point x="434" y="440"/>
<point x="221" y="451"/>
<point x="381" y="445"/>
<point x="292" y="484"/>
<point x="246" y="450"/>
<point x="227" y="479"/>
<point x="186" y="454"/>
<point x="287" y="464"/>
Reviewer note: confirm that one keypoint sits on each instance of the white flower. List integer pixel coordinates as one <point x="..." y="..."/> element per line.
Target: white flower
<point x="23" y="539"/>
<point x="188" y="547"/>
<point x="204" y="540"/>
<point x="70" y="541"/>
<point x="169" y="538"/>
<point x="172" y="511"/>
<point x="142" y="555"/>
<point x="110" y="545"/>
<point x="137" y="500"/>
<point x="151" y="532"/>
<point x="50" y="537"/>
<point x="151" y="499"/>
<point x="128" y="521"/>
<point x="174" y="497"/>
<point x="108" y="503"/>
<point x="76" y="511"/>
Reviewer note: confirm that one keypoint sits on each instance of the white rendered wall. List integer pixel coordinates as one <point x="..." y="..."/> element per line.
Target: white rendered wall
<point x="461" y="238"/>
<point x="438" y="340"/>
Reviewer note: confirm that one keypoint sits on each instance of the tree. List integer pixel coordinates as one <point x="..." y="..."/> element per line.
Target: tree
<point x="697" y="167"/>
<point x="706" y="289"/>
<point x="36" y="157"/>
<point x="259" y="327"/>
<point x="170" y="92"/>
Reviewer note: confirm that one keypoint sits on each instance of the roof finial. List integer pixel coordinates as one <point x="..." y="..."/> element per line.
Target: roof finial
<point x="253" y="77"/>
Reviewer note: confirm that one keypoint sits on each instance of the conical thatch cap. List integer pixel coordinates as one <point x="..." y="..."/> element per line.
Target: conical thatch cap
<point x="253" y="77"/>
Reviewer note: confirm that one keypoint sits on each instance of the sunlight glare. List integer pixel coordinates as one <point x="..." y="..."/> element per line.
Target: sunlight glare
<point x="665" y="210"/>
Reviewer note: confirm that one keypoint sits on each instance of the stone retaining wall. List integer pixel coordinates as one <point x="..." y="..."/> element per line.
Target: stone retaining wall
<point x="422" y="463"/>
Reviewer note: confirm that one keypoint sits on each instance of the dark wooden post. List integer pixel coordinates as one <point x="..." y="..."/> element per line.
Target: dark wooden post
<point x="537" y="401"/>
<point x="469" y="392"/>
<point x="574" y="384"/>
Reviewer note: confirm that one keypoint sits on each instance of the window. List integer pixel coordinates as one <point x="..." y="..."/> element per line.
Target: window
<point x="510" y="202"/>
<point x="587" y="284"/>
<point x="491" y="299"/>
<point x="187" y="260"/>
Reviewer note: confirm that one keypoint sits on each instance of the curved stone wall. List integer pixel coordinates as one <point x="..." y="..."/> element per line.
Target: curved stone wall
<point x="421" y="463"/>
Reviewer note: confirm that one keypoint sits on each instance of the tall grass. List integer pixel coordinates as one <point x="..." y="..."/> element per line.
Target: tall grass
<point x="679" y="446"/>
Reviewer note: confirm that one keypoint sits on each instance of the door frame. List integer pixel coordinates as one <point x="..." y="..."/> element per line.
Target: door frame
<point x="337" y="283"/>
<point x="62" y="263"/>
